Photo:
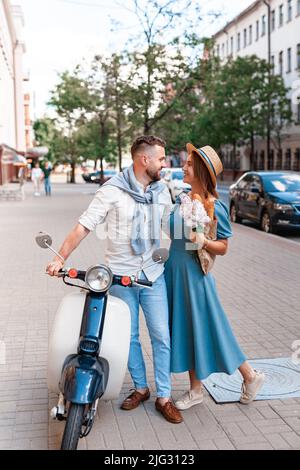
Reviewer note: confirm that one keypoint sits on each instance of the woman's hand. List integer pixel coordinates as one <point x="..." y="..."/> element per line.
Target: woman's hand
<point x="198" y="238"/>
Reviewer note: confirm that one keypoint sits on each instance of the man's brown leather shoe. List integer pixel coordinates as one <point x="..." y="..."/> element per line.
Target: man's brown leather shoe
<point x="134" y="399"/>
<point x="169" y="412"/>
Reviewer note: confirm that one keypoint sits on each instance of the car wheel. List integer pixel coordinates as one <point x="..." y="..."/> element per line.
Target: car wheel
<point x="266" y="224"/>
<point x="234" y="215"/>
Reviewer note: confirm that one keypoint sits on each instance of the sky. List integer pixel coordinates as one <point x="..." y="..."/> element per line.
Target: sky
<point x="59" y="33"/>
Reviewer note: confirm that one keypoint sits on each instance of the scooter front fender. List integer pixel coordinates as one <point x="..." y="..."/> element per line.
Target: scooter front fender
<point x="84" y="378"/>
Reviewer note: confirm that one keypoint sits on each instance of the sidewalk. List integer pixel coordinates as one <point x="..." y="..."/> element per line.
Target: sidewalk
<point x="258" y="282"/>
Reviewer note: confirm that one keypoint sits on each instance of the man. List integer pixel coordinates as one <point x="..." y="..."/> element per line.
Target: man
<point x="133" y="205"/>
<point x="46" y="175"/>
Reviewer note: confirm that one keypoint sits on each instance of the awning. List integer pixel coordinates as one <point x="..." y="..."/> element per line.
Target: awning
<point x="11" y="156"/>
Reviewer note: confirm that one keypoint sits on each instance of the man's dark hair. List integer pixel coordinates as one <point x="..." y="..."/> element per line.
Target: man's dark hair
<point x="146" y="140"/>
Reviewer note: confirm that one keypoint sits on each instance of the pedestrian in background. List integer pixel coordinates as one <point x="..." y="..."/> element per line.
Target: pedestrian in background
<point x="36" y="177"/>
<point x="46" y="176"/>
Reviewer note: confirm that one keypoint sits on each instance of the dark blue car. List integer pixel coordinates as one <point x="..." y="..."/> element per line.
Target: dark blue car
<point x="95" y="176"/>
<point x="270" y="198"/>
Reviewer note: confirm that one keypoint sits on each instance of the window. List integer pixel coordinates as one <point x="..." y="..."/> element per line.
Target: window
<point x="245" y="38"/>
<point x="273" y="20"/>
<point x="279" y="160"/>
<point x="223" y="51"/>
<point x="250" y="34"/>
<point x="256" y="183"/>
<point x="271" y="160"/>
<point x="239" y="41"/>
<point x="227" y="50"/>
<point x="218" y="50"/>
<point x="289" y="10"/>
<point x="245" y="182"/>
<point x="257" y="30"/>
<point x="288" y="159"/>
<point x="289" y="60"/>
<point x="261" y="164"/>
<point x="298" y="56"/>
<point x="263" y="25"/>
<point x="298" y="7"/>
<point x="231" y="45"/>
<point x="281" y="63"/>
<point x="280" y="15"/>
<point x="297" y="160"/>
<point x="273" y="63"/>
<point x="298" y="113"/>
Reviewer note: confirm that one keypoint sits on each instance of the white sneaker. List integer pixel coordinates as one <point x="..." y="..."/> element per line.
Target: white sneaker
<point x="189" y="399"/>
<point x="250" y="390"/>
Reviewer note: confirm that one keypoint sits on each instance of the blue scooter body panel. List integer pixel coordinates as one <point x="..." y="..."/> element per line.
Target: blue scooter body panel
<point x="84" y="378"/>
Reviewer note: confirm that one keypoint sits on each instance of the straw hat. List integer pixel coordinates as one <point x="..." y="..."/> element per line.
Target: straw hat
<point x="211" y="159"/>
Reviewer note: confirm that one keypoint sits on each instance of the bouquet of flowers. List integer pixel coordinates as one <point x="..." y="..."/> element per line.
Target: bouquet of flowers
<point x="194" y="213"/>
<point x="200" y="218"/>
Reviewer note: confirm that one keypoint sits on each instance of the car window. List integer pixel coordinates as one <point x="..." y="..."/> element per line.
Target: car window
<point x="245" y="182"/>
<point x="282" y="183"/>
<point x="255" y="183"/>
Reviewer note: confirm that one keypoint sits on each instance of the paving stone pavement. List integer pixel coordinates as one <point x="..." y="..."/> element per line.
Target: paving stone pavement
<point x="258" y="282"/>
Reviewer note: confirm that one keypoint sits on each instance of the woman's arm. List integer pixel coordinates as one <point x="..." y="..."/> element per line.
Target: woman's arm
<point x="218" y="247"/>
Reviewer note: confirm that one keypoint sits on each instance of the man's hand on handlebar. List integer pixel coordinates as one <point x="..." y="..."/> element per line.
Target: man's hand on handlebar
<point x="54" y="267"/>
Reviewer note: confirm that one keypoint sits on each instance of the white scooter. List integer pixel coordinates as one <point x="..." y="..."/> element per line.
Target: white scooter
<point x="89" y="344"/>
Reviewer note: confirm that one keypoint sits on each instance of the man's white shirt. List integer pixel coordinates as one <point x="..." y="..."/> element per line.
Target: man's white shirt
<point x="111" y="213"/>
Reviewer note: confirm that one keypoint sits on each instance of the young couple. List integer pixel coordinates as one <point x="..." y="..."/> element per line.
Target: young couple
<point x="187" y="325"/>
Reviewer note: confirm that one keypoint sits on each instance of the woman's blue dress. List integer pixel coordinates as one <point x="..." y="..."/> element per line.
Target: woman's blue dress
<point x="201" y="335"/>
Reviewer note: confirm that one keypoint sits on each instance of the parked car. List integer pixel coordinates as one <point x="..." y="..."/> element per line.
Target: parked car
<point x="270" y="198"/>
<point x="95" y="176"/>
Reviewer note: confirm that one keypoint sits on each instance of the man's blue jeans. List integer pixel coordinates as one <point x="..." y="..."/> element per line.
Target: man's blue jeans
<point x="47" y="186"/>
<point x="155" y="307"/>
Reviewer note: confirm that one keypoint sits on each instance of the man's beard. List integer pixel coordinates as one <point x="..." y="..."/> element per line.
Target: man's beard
<point x="154" y="176"/>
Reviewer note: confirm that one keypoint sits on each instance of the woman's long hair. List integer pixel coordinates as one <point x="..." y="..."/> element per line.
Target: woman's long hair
<point x="202" y="173"/>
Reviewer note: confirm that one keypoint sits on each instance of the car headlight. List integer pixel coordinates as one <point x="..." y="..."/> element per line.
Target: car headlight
<point x="99" y="278"/>
<point x="282" y="207"/>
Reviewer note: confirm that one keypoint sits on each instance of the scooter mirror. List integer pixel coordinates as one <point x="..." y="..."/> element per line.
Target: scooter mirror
<point x="43" y="239"/>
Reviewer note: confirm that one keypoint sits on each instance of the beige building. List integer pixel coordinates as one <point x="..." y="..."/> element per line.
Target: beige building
<point x="12" y="116"/>
<point x="247" y="34"/>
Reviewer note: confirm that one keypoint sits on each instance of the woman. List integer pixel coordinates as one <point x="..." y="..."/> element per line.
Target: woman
<point x="202" y="339"/>
<point x="36" y="177"/>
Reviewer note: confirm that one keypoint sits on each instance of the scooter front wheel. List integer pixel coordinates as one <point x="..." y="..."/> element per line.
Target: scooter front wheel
<point x="73" y="427"/>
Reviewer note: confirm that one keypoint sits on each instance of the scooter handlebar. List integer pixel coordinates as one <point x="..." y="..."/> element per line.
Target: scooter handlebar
<point x="142" y="282"/>
<point x="74" y="274"/>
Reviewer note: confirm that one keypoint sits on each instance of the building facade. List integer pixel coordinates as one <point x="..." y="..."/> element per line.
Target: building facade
<point x="246" y="35"/>
<point x="12" y="114"/>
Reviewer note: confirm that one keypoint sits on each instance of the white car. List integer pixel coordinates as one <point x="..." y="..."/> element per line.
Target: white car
<point x="173" y="178"/>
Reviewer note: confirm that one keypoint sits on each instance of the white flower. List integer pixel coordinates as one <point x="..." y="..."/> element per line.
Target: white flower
<point x="193" y="212"/>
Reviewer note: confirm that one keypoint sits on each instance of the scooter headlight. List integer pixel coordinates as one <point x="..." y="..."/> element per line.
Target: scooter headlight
<point x="99" y="278"/>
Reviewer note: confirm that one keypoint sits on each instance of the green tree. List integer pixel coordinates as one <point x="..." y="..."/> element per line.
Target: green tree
<point x="69" y="99"/>
<point x="236" y="99"/>
<point x="47" y="134"/>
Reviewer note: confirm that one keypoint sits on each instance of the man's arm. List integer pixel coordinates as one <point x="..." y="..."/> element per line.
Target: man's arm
<point x="71" y="242"/>
<point x="94" y="215"/>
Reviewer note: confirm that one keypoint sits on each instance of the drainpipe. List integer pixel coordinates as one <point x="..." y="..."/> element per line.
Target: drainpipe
<point x="269" y="78"/>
